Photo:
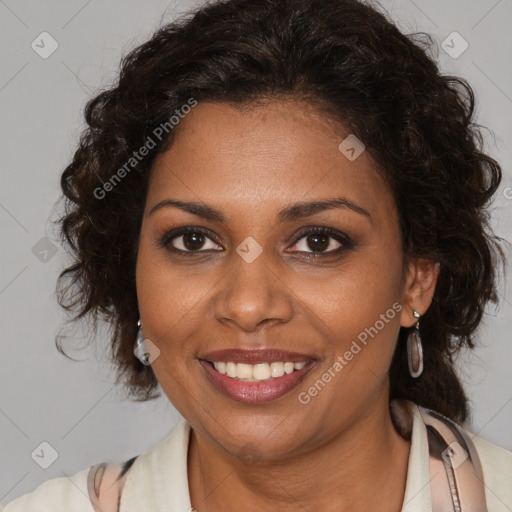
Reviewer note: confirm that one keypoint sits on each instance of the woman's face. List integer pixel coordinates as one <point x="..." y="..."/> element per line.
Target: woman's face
<point x="253" y="281"/>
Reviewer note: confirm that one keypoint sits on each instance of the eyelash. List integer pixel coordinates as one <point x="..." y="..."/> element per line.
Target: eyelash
<point x="344" y="240"/>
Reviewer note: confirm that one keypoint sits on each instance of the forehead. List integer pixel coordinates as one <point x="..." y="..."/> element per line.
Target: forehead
<point x="263" y="155"/>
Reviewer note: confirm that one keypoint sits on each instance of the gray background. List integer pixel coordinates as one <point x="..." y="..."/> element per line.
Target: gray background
<point x="74" y="406"/>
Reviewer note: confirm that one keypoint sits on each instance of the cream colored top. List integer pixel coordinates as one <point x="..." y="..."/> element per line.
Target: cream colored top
<point x="157" y="481"/>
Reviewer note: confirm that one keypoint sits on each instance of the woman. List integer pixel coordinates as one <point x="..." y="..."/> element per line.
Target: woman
<point x="281" y="207"/>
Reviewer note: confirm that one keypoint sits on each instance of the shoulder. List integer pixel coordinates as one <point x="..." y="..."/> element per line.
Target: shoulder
<point x="67" y="493"/>
<point x="100" y="487"/>
<point x="497" y="469"/>
<point x="494" y="469"/>
<point x="94" y="488"/>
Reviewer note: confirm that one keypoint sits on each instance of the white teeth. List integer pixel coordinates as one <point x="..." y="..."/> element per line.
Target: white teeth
<point x="231" y="369"/>
<point x="256" y="372"/>
<point x="277" y="369"/>
<point x="288" y="367"/>
<point x="244" y="371"/>
<point x="261" y="371"/>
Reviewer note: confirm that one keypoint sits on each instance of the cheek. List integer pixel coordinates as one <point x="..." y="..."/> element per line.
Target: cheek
<point x="362" y="331"/>
<point x="354" y="297"/>
<point x="170" y="302"/>
<point x="168" y="308"/>
<point x="358" y="312"/>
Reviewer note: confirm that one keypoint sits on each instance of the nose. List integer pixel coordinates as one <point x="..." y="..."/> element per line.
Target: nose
<point x="253" y="295"/>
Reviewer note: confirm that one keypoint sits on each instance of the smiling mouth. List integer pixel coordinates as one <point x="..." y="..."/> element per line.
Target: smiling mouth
<point x="256" y="383"/>
<point x="256" y="372"/>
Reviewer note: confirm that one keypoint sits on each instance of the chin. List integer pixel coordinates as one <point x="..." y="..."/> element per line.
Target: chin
<point x="256" y="450"/>
<point x="253" y="439"/>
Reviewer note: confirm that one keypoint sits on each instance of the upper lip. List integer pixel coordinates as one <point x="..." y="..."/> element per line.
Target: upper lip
<point x="254" y="356"/>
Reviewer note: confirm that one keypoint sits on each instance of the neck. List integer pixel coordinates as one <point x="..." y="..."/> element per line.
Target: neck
<point x="363" y="468"/>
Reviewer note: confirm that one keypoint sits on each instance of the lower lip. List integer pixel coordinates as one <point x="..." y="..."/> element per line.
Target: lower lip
<point x="255" y="392"/>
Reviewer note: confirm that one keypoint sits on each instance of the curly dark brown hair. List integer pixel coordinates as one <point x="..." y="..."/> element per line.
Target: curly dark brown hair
<point x="349" y="59"/>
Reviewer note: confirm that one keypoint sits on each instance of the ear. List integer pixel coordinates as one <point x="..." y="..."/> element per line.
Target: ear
<point x="420" y="284"/>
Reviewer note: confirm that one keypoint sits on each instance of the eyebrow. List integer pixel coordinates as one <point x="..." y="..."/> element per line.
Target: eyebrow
<point x="295" y="211"/>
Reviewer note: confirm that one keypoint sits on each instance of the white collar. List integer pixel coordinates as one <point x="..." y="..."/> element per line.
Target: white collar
<point x="158" y="479"/>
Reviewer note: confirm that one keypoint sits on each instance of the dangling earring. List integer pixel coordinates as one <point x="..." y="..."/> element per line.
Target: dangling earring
<point x="415" y="349"/>
<point x="140" y="350"/>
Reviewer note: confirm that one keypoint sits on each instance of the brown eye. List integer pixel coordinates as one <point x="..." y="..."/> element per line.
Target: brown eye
<point x="321" y="241"/>
<point x="318" y="242"/>
<point x="193" y="241"/>
<point x="189" y="240"/>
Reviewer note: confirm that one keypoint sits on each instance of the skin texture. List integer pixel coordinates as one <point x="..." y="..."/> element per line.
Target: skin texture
<point x="340" y="451"/>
